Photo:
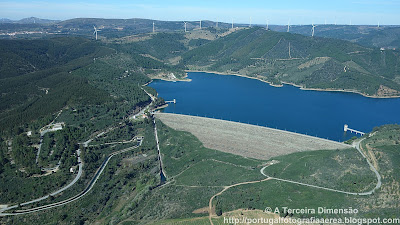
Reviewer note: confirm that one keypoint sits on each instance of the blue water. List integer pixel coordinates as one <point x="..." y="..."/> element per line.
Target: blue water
<point x="316" y="113"/>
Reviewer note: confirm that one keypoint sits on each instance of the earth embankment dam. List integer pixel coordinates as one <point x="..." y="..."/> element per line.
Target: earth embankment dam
<point x="245" y="139"/>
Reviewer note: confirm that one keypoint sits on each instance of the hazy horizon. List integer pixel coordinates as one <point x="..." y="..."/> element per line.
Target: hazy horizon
<point x="255" y="24"/>
<point x="358" y="12"/>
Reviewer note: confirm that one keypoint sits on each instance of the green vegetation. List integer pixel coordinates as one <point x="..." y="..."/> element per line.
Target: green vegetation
<point x="182" y="150"/>
<point x="24" y="97"/>
<point x="24" y="155"/>
<point x="99" y="85"/>
<point x="3" y="157"/>
<point x="17" y="187"/>
<point x="351" y="171"/>
<point x="366" y="35"/>
<point x="384" y="202"/>
<point x="384" y="136"/>
<point x="309" y="62"/>
<point x="160" y="45"/>
<point x="280" y="194"/>
<point x="138" y="198"/>
<point x="130" y="174"/>
<point x="223" y="174"/>
<point x="23" y="179"/>
<point x="49" y="152"/>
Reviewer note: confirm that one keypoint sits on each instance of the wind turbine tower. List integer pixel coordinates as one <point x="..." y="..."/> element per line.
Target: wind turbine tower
<point x="154" y="30"/>
<point x="232" y="23"/>
<point x="200" y="24"/>
<point x="288" y="26"/>
<point x="313" y="29"/>
<point x="378" y="24"/>
<point x="250" y="22"/>
<point x="185" y="25"/>
<point x="267" y="24"/>
<point x="95" y="31"/>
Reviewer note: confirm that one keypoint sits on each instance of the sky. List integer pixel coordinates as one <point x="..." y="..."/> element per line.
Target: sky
<point x="258" y="11"/>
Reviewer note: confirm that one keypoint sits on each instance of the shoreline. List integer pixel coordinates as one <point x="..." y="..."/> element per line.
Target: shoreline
<point x="184" y="79"/>
<point x="236" y="74"/>
<point x="340" y="90"/>
<point x="298" y="86"/>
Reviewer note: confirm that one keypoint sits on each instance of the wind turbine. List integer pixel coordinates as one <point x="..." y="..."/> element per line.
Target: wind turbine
<point x="185" y="25"/>
<point x="288" y="26"/>
<point x="313" y="27"/>
<point x="267" y="24"/>
<point x="95" y="31"/>
<point x="153" y="28"/>
<point x="200" y="24"/>
<point x="232" y="23"/>
<point x="378" y="24"/>
<point x="250" y="22"/>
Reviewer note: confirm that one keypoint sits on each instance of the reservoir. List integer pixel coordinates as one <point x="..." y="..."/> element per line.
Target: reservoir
<point x="316" y="113"/>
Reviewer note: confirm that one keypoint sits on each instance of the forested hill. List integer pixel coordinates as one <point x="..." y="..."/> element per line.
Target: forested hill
<point x="40" y="77"/>
<point x="366" y="35"/>
<point x="35" y="77"/>
<point x="18" y="57"/>
<point x="310" y="62"/>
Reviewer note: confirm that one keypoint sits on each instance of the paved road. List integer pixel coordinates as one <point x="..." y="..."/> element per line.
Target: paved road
<point x="357" y="146"/>
<point x="141" y="112"/>
<point x="54" y="193"/>
<point x="72" y="199"/>
<point x="87" y="189"/>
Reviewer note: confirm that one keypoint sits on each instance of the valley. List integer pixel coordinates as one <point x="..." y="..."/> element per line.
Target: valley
<point x="82" y="139"/>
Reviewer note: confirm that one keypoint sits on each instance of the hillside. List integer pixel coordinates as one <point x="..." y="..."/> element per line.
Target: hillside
<point x="36" y="81"/>
<point x="40" y="77"/>
<point x="96" y="86"/>
<point x="366" y="35"/>
<point x="167" y="47"/>
<point x="110" y="28"/>
<point x="317" y="63"/>
<point x="29" y="20"/>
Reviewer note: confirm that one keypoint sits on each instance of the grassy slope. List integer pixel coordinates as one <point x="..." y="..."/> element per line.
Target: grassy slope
<point x="179" y="198"/>
<point x="351" y="171"/>
<point x="384" y="202"/>
<point x="335" y="169"/>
